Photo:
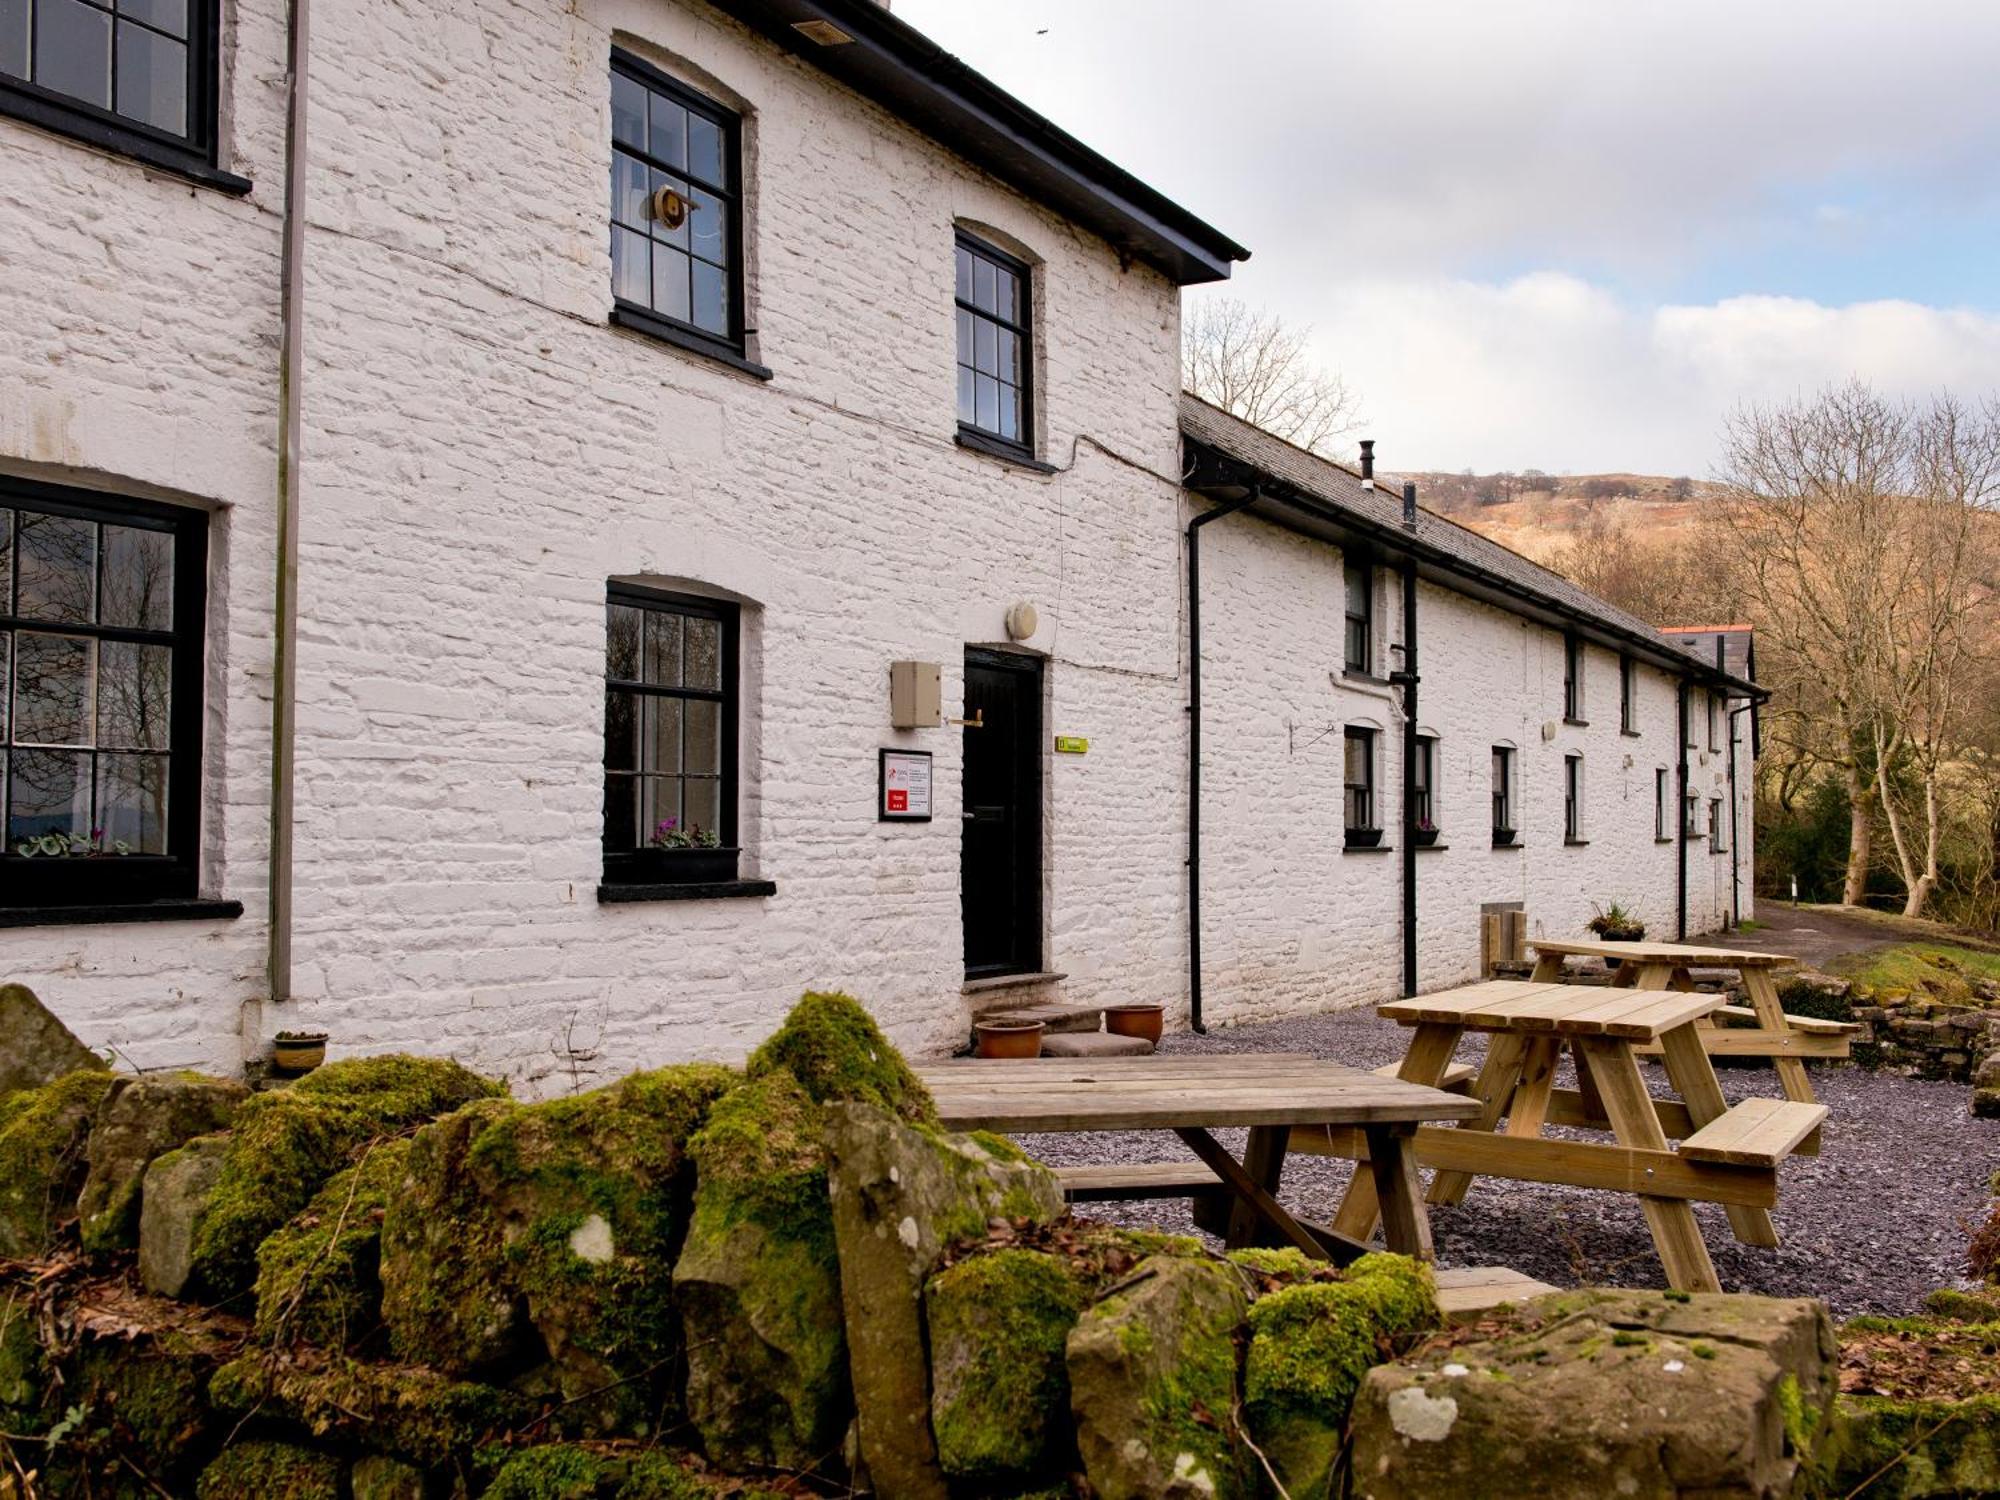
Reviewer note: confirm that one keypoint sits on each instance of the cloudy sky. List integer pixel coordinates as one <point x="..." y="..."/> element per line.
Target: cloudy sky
<point x="1564" y="234"/>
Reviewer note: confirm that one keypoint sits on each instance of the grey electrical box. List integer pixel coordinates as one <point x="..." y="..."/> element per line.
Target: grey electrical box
<point x="916" y="700"/>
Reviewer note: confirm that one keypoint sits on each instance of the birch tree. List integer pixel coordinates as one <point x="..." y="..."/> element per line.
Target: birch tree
<point x="1254" y="365"/>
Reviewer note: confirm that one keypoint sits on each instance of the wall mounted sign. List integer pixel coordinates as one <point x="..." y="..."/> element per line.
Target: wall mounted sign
<point x="1072" y="744"/>
<point x="904" y="791"/>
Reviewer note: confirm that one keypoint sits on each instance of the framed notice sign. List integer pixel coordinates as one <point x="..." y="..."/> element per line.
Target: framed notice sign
<point x="905" y="792"/>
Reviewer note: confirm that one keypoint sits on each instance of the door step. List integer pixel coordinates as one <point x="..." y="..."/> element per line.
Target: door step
<point x="1095" y="1044"/>
<point x="1055" y="1019"/>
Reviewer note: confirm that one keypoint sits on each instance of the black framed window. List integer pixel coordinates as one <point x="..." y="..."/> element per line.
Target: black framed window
<point x="1360" y="646"/>
<point x="1691" y="816"/>
<point x="1628" y="695"/>
<point x="1573" y="679"/>
<point x="1662" y="829"/>
<point x="1718" y="841"/>
<point x="138" y="76"/>
<point x="1573" y="798"/>
<point x="1713" y="743"/>
<point x="1503" y="794"/>
<point x="994" y="293"/>
<point x="671" y="707"/>
<point x="676" y="210"/>
<point x="1359" y="776"/>
<point x="102" y="602"/>
<point x="1423" y="777"/>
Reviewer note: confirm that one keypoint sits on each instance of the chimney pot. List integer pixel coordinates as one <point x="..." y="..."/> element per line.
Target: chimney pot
<point x="1410" y="504"/>
<point x="1368" y="463"/>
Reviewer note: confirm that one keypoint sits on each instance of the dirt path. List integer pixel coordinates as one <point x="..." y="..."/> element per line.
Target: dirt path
<point x="1815" y="934"/>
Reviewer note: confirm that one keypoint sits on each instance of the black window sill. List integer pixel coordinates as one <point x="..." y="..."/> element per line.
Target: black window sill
<point x="1658" y="840"/>
<point x="61" y="119"/>
<point x="1426" y="848"/>
<point x="1000" y="448"/>
<point x="1370" y="849"/>
<point x="713" y="890"/>
<point x="1355" y="674"/>
<point x="185" y="909"/>
<point x="1631" y="734"/>
<point x="1512" y="843"/>
<point x="1576" y="723"/>
<point x="638" y="320"/>
<point x="1570" y="843"/>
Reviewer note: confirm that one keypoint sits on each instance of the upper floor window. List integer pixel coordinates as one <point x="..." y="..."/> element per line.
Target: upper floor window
<point x="1718" y="825"/>
<point x="1691" y="816"/>
<point x="1662" y="802"/>
<point x="1713" y="743"/>
<point x="1503" y="794"/>
<point x="1573" y="799"/>
<point x="101" y="618"/>
<point x="1360" y="646"/>
<point x="1628" y="695"/>
<point x="137" y="76"/>
<point x="1360" y="787"/>
<point x="993" y="291"/>
<point x="1423" y="781"/>
<point x="676" y="210"/>
<point x="671" y="705"/>
<point x="1573" y="679"/>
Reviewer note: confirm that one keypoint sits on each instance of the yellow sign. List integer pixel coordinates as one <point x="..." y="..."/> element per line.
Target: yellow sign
<point x="1072" y="744"/>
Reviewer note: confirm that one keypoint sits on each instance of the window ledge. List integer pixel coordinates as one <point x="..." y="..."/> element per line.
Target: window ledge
<point x="1658" y="840"/>
<point x="1631" y="734"/>
<point x="1000" y="448"/>
<point x="1570" y="843"/>
<point x="1351" y="674"/>
<point x="1371" y="848"/>
<point x="23" y="102"/>
<point x="183" y="909"/>
<point x="1576" y="723"/>
<point x="638" y="320"/>
<point x="1426" y="848"/>
<point x="989" y="983"/>
<point x="712" y="890"/>
<point x="1513" y="843"/>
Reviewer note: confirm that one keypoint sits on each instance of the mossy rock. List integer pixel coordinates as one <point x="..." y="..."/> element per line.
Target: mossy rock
<point x="1890" y="1449"/>
<point x="524" y="1230"/>
<point x="126" y="1415"/>
<point x="319" y="1278"/>
<point x="1310" y="1346"/>
<point x="562" y="1471"/>
<point x="139" y="1120"/>
<point x="999" y="1326"/>
<point x="43" y="1132"/>
<point x="287" y="1143"/>
<point x="1152" y="1373"/>
<point x="24" y="1371"/>
<point x="834" y="1049"/>
<point x="270" y="1471"/>
<point x="758" y="1283"/>
<point x="408" y="1412"/>
<point x="1963" y="1307"/>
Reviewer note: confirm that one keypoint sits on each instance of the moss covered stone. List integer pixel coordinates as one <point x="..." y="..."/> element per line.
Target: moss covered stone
<point x="319" y="1277"/>
<point x="287" y="1143"/>
<point x="270" y="1471"/>
<point x="1963" y="1307"/>
<point x="23" y="1366"/>
<point x="1891" y="1449"/>
<point x="561" y="1471"/>
<point x="999" y="1325"/>
<point x="833" y="1047"/>
<point x="42" y="1164"/>
<point x="405" y="1411"/>
<point x="139" y="1120"/>
<point x="1310" y="1346"/>
<point x="551" y="1229"/>
<point x="759" y="1283"/>
<point x="1152" y="1372"/>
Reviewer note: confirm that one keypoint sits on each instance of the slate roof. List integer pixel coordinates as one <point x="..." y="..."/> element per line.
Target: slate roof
<point x="1739" y="654"/>
<point x="1448" y="547"/>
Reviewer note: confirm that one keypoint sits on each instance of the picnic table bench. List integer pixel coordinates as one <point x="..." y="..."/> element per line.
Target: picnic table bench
<point x="1728" y="1154"/>
<point x="1272" y="1094"/>
<point x="1787" y="1040"/>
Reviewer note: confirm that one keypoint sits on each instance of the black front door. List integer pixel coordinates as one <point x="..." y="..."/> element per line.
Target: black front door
<point x="1000" y="849"/>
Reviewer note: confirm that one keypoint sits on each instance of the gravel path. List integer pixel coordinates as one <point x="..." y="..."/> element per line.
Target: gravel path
<point x="1873" y="1223"/>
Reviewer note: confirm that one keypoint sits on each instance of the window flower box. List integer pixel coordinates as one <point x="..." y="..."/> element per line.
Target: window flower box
<point x="1364" y="838"/>
<point x="1503" y="838"/>
<point x="674" y="866"/>
<point x="1426" y="835"/>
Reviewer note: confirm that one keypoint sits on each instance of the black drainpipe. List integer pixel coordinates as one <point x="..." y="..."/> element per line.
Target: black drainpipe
<point x="1681" y="820"/>
<point x="1735" y="867"/>
<point x="1408" y="679"/>
<point x="1194" y="744"/>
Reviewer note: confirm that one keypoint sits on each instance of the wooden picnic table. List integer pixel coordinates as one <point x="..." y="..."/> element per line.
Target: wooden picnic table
<point x="1727" y="1155"/>
<point x="1268" y="1093"/>
<point x="1786" y="1040"/>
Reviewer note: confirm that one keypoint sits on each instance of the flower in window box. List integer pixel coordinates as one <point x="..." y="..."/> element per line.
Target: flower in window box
<point x="670" y="835"/>
<point x="1427" y="831"/>
<point x="71" y="846"/>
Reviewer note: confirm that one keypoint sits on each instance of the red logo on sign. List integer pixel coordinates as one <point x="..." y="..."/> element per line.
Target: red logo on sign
<point x="899" y="802"/>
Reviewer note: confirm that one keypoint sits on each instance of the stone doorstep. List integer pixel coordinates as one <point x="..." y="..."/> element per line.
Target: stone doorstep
<point x="1095" y="1044"/>
<point x="1055" y="1019"/>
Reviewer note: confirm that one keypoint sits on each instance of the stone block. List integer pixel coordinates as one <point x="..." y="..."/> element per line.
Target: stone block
<point x="1095" y="1044"/>
<point x="1588" y="1394"/>
<point x="139" y="1120"/>
<point x="42" y="1166"/>
<point x="172" y="1205"/>
<point x="36" y="1048"/>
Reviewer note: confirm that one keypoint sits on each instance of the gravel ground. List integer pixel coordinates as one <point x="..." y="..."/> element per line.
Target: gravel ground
<point x="1874" y="1222"/>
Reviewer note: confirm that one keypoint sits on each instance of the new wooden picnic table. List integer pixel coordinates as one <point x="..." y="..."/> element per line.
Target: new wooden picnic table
<point x="1786" y="1040"/>
<point x="1727" y="1155"/>
<point x="1269" y="1093"/>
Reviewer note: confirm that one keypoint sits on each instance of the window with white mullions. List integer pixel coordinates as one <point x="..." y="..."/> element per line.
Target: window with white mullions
<point x="1360" y="643"/>
<point x="1359" y="776"/>
<point x="1573" y="799"/>
<point x="1423" y="776"/>
<point x="670" y="717"/>
<point x="101" y="608"/>
<point x="676" y="244"/>
<point x="1503" y="794"/>
<point x="993" y="293"/>
<point x="121" y="72"/>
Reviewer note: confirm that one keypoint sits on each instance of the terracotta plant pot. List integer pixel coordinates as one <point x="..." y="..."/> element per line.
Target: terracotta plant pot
<point x="1009" y="1038"/>
<point x="1146" y="1021"/>
<point x="299" y="1054"/>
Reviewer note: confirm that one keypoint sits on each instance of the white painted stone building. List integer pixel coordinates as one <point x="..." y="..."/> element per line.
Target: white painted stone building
<point x="561" y="485"/>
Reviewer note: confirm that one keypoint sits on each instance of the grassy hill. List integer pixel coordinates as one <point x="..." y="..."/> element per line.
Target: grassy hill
<point x="1537" y="513"/>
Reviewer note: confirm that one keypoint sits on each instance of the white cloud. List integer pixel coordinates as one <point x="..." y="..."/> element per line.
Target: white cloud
<point x="1549" y="371"/>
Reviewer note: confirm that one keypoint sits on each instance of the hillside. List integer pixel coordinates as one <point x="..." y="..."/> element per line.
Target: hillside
<point x="1536" y="513"/>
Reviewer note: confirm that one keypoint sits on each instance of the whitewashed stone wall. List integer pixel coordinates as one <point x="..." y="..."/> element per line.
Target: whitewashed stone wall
<point x="139" y="355"/>
<point x="483" y="453"/>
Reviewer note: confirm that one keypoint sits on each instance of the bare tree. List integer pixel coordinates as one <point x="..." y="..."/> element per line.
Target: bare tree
<point x="1254" y="365"/>
<point x="1858" y="525"/>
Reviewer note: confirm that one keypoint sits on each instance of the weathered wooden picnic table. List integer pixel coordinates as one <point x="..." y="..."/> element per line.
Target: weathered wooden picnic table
<point x="1269" y="1093"/>
<point x="1727" y="1155"/>
<point x="1786" y="1040"/>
